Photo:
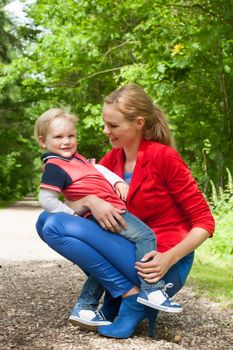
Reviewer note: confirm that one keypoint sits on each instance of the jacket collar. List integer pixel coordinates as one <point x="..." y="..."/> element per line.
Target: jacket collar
<point x="142" y="157"/>
<point x="140" y="173"/>
<point x="49" y="155"/>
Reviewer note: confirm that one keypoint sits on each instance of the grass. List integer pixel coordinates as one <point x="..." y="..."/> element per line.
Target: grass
<point x="213" y="281"/>
<point x="212" y="272"/>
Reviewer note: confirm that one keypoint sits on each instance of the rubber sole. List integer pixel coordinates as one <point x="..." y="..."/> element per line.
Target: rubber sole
<point x="159" y="307"/>
<point x="75" y="321"/>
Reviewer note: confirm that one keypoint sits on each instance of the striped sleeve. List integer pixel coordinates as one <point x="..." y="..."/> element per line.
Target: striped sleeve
<point x="54" y="178"/>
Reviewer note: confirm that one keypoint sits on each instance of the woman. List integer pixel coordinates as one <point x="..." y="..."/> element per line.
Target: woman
<point x="162" y="193"/>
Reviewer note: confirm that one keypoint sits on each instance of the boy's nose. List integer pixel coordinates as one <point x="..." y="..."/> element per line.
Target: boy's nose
<point x="66" y="140"/>
<point x="106" y="130"/>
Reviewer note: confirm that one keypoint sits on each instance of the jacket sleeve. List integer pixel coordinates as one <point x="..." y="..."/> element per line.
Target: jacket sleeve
<point x="184" y="189"/>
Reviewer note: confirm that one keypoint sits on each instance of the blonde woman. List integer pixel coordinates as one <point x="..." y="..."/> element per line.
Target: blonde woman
<point x="162" y="193"/>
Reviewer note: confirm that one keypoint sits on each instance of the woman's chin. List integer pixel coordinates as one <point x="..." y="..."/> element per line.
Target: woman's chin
<point x="115" y="143"/>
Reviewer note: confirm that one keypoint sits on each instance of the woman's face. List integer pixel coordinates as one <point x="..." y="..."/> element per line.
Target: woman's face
<point x="120" y="131"/>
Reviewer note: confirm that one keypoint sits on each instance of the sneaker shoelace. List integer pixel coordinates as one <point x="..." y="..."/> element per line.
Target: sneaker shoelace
<point x="100" y="315"/>
<point x="168" y="285"/>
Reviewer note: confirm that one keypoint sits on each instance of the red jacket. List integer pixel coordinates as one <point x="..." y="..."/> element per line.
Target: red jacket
<point x="163" y="193"/>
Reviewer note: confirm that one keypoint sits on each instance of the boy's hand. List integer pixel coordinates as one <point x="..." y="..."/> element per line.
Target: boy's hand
<point x="122" y="189"/>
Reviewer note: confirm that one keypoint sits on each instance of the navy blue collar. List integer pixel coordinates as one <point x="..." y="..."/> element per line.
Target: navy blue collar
<point x="49" y="155"/>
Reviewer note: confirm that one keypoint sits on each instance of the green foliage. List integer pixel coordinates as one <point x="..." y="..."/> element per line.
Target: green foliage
<point x="221" y="245"/>
<point x="75" y="52"/>
<point x="16" y="158"/>
<point x="212" y="272"/>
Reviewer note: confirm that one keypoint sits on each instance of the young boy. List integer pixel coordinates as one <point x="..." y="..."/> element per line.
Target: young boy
<point x="69" y="173"/>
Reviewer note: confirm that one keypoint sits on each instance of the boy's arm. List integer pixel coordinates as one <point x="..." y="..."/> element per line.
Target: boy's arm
<point x="120" y="186"/>
<point x="49" y="201"/>
<point x="108" y="174"/>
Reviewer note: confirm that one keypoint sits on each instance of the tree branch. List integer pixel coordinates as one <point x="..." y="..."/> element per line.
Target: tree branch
<point x="90" y="76"/>
<point x="117" y="46"/>
<point x="192" y="6"/>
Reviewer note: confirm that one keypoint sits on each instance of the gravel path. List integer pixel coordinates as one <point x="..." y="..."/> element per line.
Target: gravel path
<point x="38" y="288"/>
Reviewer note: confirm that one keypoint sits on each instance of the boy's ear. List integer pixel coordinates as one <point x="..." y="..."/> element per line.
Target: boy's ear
<point x="42" y="143"/>
<point x="140" y="122"/>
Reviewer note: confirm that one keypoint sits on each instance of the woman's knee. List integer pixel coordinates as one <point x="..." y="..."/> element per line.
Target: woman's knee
<point x="40" y="223"/>
<point x="52" y="227"/>
<point x="60" y="225"/>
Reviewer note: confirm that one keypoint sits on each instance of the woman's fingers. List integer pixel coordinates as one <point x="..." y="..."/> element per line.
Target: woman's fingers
<point x="148" y="270"/>
<point x="150" y="278"/>
<point x="113" y="222"/>
<point x="148" y="256"/>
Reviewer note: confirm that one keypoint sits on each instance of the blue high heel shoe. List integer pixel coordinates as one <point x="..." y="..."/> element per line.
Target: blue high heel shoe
<point x="130" y="316"/>
<point x="151" y="316"/>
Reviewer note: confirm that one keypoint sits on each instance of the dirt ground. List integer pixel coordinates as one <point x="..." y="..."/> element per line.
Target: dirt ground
<point x="36" y="296"/>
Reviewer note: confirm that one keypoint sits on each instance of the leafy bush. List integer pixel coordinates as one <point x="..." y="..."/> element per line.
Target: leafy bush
<point x="222" y="202"/>
<point x="212" y="271"/>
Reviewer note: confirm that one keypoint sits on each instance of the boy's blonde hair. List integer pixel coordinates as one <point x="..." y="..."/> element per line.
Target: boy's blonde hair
<point x="43" y="122"/>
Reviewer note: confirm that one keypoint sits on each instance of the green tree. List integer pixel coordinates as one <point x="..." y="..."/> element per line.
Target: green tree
<point x="15" y="157"/>
<point x="79" y="51"/>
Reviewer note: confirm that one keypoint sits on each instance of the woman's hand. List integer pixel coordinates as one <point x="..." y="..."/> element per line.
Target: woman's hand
<point x="108" y="217"/>
<point x="153" y="270"/>
<point x="155" y="266"/>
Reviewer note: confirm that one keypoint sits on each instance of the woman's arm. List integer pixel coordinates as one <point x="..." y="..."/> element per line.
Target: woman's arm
<point x="153" y="270"/>
<point x="183" y="188"/>
<point x="108" y="217"/>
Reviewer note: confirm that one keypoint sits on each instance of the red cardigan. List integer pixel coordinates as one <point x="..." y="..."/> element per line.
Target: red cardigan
<point x="163" y="193"/>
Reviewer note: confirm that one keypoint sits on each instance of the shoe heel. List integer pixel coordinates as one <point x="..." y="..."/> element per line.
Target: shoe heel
<point x="151" y="316"/>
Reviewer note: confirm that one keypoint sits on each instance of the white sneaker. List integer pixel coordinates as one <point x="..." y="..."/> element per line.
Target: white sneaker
<point x="158" y="299"/>
<point x="88" y="318"/>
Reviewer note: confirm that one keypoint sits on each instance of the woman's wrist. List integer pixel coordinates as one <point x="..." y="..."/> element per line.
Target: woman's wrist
<point x="193" y="240"/>
<point x="89" y="200"/>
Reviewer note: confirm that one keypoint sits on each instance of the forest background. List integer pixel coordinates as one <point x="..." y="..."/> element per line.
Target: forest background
<point x="71" y="53"/>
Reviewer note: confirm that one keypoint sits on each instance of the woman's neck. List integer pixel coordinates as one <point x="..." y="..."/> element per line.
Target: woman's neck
<point x="131" y="156"/>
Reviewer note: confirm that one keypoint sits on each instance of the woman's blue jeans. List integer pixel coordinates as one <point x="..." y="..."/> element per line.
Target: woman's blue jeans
<point x="108" y="257"/>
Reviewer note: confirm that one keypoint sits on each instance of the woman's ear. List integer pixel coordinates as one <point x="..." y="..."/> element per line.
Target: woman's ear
<point x="140" y="122"/>
<point x="42" y="143"/>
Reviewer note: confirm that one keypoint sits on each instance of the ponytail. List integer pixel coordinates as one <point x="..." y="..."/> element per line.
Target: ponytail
<point x="157" y="129"/>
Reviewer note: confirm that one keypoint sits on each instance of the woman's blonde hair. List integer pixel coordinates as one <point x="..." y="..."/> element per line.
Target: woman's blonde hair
<point x="132" y="101"/>
<point x="43" y="122"/>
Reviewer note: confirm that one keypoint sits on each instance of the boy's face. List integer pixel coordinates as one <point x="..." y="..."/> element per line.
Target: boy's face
<point x="60" y="138"/>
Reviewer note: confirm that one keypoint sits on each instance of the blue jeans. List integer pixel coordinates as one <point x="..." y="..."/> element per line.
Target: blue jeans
<point x="109" y="258"/>
<point x="145" y="241"/>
